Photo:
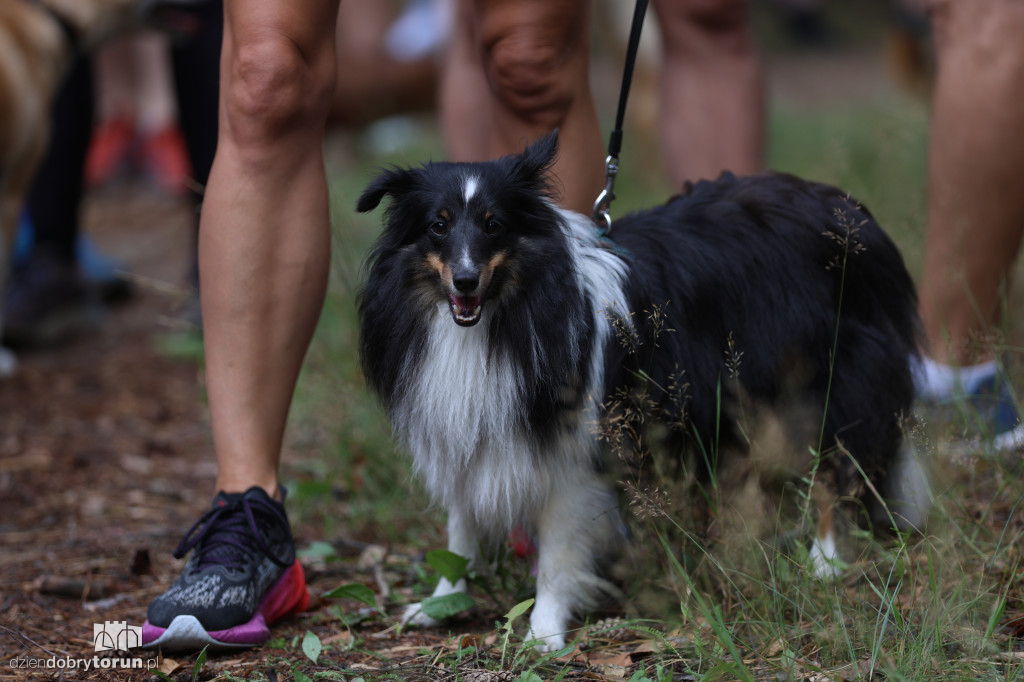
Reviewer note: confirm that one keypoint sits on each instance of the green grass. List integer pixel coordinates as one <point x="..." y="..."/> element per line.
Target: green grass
<point x="911" y="608"/>
<point x="875" y="150"/>
<point x="367" y="473"/>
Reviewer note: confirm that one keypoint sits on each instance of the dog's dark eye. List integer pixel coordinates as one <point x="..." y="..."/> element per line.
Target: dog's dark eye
<point x="492" y="227"/>
<point x="439" y="227"/>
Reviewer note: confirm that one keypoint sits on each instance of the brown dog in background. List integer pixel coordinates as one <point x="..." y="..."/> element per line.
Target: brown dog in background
<point x="38" y="39"/>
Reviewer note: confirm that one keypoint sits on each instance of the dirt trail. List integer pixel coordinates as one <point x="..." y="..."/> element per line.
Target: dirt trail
<point x="103" y="447"/>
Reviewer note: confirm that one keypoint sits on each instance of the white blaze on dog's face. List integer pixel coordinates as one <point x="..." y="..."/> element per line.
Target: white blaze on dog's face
<point x="465" y="249"/>
<point x="469" y="191"/>
<point x="473" y="230"/>
<point x="466" y="246"/>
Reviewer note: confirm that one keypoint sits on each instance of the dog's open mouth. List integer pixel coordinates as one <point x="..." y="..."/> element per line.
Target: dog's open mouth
<point x="466" y="309"/>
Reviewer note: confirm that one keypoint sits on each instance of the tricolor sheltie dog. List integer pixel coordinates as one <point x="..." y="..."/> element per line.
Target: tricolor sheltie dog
<point x="491" y="325"/>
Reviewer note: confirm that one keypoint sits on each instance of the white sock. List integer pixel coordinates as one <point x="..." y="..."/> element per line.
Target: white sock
<point x="936" y="381"/>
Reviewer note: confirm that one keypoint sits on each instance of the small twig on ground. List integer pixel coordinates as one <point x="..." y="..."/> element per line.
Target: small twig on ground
<point x="72" y="587"/>
<point x="27" y="641"/>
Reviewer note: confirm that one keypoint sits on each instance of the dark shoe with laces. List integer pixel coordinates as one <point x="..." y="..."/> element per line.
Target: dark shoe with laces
<point x="242" y="576"/>
<point x="48" y="302"/>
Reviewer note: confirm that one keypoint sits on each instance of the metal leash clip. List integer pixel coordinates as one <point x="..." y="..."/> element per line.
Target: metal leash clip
<point x="602" y="215"/>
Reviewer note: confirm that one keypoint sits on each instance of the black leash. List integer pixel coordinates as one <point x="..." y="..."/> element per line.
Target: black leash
<point x="602" y="206"/>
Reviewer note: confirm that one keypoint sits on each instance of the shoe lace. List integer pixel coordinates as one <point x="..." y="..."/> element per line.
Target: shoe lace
<point x="226" y="536"/>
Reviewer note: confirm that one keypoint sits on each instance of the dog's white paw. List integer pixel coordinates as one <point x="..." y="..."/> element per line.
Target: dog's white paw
<point x="546" y="644"/>
<point x="824" y="569"/>
<point x="548" y="627"/>
<point x="824" y="558"/>
<point x="414" y="616"/>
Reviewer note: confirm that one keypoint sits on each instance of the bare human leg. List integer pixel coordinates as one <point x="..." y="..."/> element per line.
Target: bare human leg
<point x="265" y="228"/>
<point x="516" y="71"/>
<point x="712" y="90"/>
<point x="976" y="156"/>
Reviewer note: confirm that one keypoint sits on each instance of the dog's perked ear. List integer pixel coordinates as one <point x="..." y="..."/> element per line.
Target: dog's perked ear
<point x="533" y="164"/>
<point x="395" y="182"/>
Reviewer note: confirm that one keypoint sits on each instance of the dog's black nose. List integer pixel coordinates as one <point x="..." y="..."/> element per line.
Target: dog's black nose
<point x="465" y="281"/>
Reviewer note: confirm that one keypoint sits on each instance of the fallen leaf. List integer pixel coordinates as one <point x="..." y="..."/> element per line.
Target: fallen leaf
<point x="340" y="637"/>
<point x="372" y="555"/>
<point x="474" y="641"/>
<point x="615" y="671"/>
<point x="620" y="659"/>
<point x="169" y="666"/>
<point x="774" y="649"/>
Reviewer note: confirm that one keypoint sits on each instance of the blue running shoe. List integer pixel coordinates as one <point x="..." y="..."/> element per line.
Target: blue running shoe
<point x="994" y="409"/>
<point x="986" y="416"/>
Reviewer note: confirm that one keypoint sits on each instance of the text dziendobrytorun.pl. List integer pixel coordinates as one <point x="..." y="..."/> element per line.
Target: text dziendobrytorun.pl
<point x="85" y="664"/>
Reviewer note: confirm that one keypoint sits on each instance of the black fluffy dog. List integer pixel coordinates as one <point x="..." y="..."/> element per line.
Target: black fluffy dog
<point x="495" y="325"/>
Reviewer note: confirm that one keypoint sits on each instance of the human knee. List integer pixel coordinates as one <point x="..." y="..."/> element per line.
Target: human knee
<point x="536" y="72"/>
<point x="990" y="30"/>
<point x="711" y="15"/>
<point x="723" y="23"/>
<point x="275" y="87"/>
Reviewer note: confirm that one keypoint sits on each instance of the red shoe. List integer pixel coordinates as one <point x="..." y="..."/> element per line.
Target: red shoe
<point x="164" y="158"/>
<point x="109" y="150"/>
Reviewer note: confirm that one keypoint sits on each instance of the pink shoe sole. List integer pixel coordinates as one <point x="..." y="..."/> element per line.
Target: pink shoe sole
<point x="288" y="596"/>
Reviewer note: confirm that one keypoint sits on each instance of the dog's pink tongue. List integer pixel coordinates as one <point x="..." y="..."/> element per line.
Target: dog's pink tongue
<point x="467" y="303"/>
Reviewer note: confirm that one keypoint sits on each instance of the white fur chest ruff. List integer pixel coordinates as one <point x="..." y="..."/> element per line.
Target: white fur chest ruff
<point x="464" y="415"/>
<point x="463" y="418"/>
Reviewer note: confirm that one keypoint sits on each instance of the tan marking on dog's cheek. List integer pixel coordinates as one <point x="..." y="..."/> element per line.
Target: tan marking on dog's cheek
<point x="425" y="288"/>
<point x="435" y="262"/>
<point x="441" y="268"/>
<point x="487" y="273"/>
